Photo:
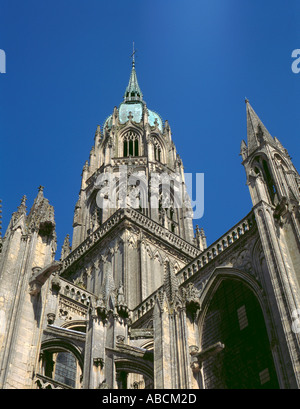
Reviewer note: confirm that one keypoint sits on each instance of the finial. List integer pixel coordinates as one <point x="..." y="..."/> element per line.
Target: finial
<point x="246" y="100"/>
<point x="132" y="55"/>
<point x="40" y="194"/>
<point x="133" y="92"/>
<point x="86" y="165"/>
<point x="22" y="208"/>
<point x="23" y="201"/>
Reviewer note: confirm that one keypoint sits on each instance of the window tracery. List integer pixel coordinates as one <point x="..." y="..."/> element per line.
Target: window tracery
<point x="130" y="144"/>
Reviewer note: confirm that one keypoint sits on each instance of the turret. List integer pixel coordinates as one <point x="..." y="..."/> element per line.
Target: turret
<point x="274" y="188"/>
<point x="25" y="266"/>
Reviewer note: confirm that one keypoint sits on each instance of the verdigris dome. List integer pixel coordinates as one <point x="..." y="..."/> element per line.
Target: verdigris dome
<point x="134" y="105"/>
<point x="136" y="110"/>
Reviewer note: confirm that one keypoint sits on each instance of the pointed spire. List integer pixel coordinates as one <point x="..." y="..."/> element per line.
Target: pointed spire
<point x="200" y="238"/>
<point x="41" y="215"/>
<point x="108" y="286"/>
<point x="256" y="131"/>
<point x="22" y="209"/>
<point x="66" y="248"/>
<point x="40" y="194"/>
<point x="171" y="285"/>
<point x="133" y="92"/>
<point x="244" y="150"/>
<point x="98" y="132"/>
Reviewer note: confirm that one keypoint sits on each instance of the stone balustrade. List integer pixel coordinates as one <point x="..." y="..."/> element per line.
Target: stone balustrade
<point x="44" y="382"/>
<point x="217" y="247"/>
<point x="132" y="160"/>
<point x="146" y="305"/>
<point x="228" y="239"/>
<point x="76" y="293"/>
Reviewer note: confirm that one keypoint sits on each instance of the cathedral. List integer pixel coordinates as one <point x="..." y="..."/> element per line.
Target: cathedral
<point x="136" y="299"/>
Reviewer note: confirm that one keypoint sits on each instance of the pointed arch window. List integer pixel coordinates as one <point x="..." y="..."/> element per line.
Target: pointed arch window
<point x="125" y="148"/>
<point x="130" y="144"/>
<point x="136" y="148"/>
<point x="234" y="318"/>
<point x="260" y="167"/>
<point x="157" y="150"/>
<point x="60" y="364"/>
<point x="130" y="148"/>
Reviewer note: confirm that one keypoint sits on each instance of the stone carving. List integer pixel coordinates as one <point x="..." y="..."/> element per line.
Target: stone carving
<point x="68" y="309"/>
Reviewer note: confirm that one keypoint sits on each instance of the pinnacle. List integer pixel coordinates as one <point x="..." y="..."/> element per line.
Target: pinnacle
<point x="22" y="207"/>
<point x="256" y="131"/>
<point x="133" y="92"/>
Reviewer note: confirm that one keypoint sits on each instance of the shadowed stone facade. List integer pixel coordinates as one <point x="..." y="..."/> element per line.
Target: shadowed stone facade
<point x="138" y="300"/>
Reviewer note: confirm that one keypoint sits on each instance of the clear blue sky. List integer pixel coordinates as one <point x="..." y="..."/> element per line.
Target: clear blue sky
<point x="68" y="64"/>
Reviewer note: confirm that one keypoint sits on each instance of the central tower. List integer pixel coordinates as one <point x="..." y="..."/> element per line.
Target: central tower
<point x="132" y="224"/>
<point x="134" y="140"/>
<point x="133" y="173"/>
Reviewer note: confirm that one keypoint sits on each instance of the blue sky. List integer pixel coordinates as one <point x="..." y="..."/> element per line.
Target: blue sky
<point x="68" y="64"/>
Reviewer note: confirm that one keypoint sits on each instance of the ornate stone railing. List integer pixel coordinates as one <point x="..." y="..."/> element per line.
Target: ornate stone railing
<point x="146" y="305"/>
<point x="163" y="233"/>
<point x="76" y="293"/>
<point x="132" y="160"/>
<point x="92" y="239"/>
<point x="141" y="220"/>
<point x="227" y="240"/>
<point x="43" y="382"/>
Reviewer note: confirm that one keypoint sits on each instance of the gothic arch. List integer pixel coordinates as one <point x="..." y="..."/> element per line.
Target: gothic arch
<point x="94" y="214"/>
<point x="234" y="313"/>
<point x="278" y="157"/>
<point x="75" y="325"/>
<point x="157" y="256"/>
<point x="160" y="145"/>
<point x="134" y="365"/>
<point x="229" y="273"/>
<point x="61" y="345"/>
<point x="261" y="167"/>
<point x="130" y="142"/>
<point x="259" y="261"/>
<point x="62" y="360"/>
<point x="148" y="249"/>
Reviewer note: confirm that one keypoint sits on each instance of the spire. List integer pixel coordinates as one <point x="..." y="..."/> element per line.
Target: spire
<point x="40" y="195"/>
<point x="133" y="92"/>
<point x="41" y="215"/>
<point x="171" y="285"/>
<point x="22" y="209"/>
<point x="66" y="248"/>
<point x="256" y="131"/>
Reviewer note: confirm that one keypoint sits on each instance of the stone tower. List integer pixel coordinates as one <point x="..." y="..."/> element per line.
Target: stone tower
<point x="274" y="185"/>
<point x="28" y="246"/>
<point x="136" y="300"/>
<point x="127" y="225"/>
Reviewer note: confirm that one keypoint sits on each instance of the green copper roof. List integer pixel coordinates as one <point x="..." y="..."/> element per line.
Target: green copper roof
<point x="133" y="92"/>
<point x="136" y="111"/>
<point x="133" y="105"/>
